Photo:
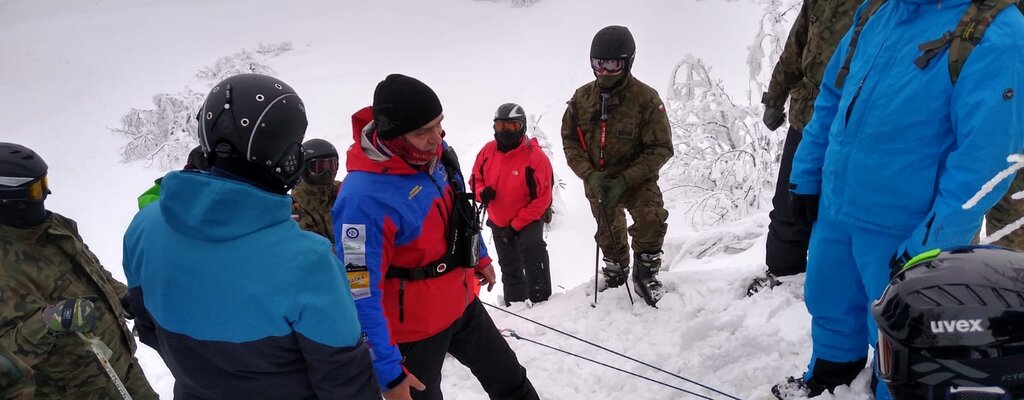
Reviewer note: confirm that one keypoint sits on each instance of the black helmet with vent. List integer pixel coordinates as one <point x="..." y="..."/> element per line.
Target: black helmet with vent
<point x="951" y="326"/>
<point x="257" y="120"/>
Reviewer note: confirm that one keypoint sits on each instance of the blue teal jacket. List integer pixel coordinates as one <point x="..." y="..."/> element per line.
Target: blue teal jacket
<point x="238" y="301"/>
<point x="901" y="149"/>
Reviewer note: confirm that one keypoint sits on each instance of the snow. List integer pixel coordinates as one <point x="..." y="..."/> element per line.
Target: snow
<point x="70" y="70"/>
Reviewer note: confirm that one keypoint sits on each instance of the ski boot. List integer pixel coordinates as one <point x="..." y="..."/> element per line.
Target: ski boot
<point x="614" y="274"/>
<point x="645" y="277"/>
<point x="768" y="281"/>
<point x="796" y="388"/>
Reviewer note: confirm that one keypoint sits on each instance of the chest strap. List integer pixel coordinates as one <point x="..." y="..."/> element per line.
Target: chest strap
<point x="434" y="270"/>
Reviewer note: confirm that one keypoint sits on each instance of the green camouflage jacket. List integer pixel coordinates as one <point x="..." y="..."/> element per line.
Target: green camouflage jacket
<point x="812" y="40"/>
<point x="638" y="139"/>
<point x="41" y="266"/>
<point x="311" y="207"/>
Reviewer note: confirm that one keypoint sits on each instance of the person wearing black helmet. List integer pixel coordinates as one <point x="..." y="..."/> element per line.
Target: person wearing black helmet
<point x="616" y="138"/>
<point x="53" y="294"/>
<point x="512" y="177"/>
<point x="951" y="326"/>
<point x="238" y="301"/>
<point x="314" y="195"/>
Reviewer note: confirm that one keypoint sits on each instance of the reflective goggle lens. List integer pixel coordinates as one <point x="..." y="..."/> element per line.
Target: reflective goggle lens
<point x="35" y="190"/>
<point x="503" y="125"/>
<point x="321" y="165"/>
<point x="607" y="66"/>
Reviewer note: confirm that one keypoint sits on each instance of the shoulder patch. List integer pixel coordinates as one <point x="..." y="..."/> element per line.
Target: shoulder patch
<point x="661" y="107"/>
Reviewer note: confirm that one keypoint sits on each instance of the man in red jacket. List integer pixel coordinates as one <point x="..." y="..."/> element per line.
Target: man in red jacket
<point x="512" y="178"/>
<point x="401" y="203"/>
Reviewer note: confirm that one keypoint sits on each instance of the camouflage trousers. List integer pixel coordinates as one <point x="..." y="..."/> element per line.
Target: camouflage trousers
<point x="647" y="208"/>
<point x="134" y="381"/>
<point x="1005" y="212"/>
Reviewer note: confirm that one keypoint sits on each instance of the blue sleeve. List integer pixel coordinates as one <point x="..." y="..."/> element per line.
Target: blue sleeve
<point x="144" y="324"/>
<point x="988" y="121"/>
<point x="328" y="331"/>
<point x="809" y="158"/>
<point x="364" y="239"/>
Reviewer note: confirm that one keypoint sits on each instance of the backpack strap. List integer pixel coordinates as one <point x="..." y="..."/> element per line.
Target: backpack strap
<point x="862" y="20"/>
<point x="965" y="37"/>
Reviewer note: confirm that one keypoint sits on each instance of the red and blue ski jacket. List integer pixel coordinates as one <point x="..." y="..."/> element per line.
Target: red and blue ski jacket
<point x="521" y="179"/>
<point x="391" y="215"/>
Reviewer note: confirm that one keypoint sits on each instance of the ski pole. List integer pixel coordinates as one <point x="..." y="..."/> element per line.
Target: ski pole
<point x="615" y="243"/>
<point x="597" y="257"/>
<point x="103" y="354"/>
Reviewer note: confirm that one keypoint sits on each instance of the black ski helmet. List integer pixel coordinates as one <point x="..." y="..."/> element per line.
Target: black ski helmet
<point x="22" y="174"/>
<point x="952" y="326"/>
<point x="511" y="112"/>
<point x="612" y="43"/>
<point x="258" y="119"/>
<point x="317" y="149"/>
<point x="197" y="160"/>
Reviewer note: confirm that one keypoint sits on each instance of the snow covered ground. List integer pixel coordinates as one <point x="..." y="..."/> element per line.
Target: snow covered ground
<point x="70" y="70"/>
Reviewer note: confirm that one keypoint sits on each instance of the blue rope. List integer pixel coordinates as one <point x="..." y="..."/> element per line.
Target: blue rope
<point x="613" y="352"/>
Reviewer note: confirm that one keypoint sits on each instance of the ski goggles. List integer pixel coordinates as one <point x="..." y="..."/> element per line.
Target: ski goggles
<point x="507" y="125"/>
<point x="320" y="165"/>
<point x="605" y="66"/>
<point x="23" y="189"/>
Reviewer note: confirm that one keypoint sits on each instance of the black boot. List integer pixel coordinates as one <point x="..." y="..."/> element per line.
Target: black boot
<point x="614" y="274"/>
<point x="645" y="277"/>
<point x="768" y="281"/>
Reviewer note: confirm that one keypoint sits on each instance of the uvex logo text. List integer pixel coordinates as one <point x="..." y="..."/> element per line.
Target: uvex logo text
<point x="957" y="325"/>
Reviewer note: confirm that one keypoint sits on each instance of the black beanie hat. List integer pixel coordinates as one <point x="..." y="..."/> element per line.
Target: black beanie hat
<point x="402" y="104"/>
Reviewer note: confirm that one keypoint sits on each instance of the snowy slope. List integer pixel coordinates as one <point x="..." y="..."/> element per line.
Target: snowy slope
<point x="70" y="70"/>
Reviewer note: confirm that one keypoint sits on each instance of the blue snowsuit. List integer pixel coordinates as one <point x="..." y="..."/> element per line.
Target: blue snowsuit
<point x="895" y="153"/>
<point x="238" y="301"/>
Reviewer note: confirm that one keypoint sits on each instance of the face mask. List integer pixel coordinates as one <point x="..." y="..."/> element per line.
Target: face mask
<point x="508" y="140"/>
<point x="609" y="81"/>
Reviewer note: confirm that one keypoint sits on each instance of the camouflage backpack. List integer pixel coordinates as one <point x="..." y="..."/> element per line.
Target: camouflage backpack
<point x="960" y="41"/>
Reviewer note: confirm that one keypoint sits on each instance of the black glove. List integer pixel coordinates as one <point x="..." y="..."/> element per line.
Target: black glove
<point x="127" y="306"/>
<point x="773" y="117"/>
<point x="804" y="208"/>
<point x="487" y="195"/>
<point x="774" y="111"/>
<point x="897" y="262"/>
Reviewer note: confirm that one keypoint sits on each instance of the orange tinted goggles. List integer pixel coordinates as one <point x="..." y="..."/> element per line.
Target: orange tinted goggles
<point x="35" y="190"/>
<point x="507" y="125"/>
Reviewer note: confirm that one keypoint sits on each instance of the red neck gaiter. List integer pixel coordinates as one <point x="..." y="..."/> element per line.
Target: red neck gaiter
<point x="402" y="148"/>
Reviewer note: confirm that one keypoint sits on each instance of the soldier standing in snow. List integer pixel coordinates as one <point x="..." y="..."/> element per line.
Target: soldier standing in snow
<point x="237" y="299"/>
<point x="905" y="130"/>
<point x="616" y="138"/>
<point x="52" y="290"/>
<point x="314" y="195"/>
<point x="512" y="177"/>
<point x="797" y="76"/>
<point x="401" y="204"/>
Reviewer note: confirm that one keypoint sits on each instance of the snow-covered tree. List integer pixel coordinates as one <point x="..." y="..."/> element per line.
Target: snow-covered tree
<point x="725" y="161"/>
<point x="534" y="129"/>
<point x="165" y="134"/>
